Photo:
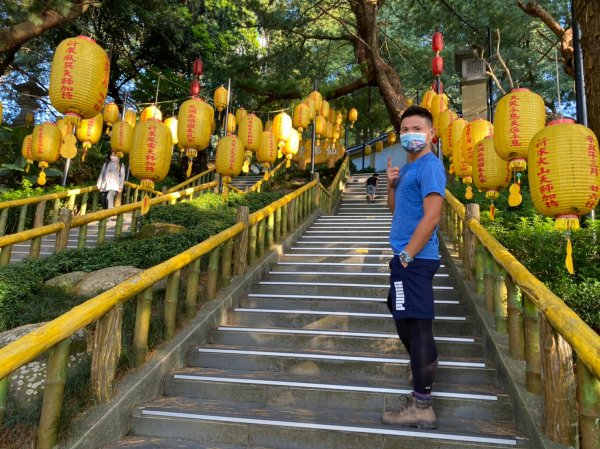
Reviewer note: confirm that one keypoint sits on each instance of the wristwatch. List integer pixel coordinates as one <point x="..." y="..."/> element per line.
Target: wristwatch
<point x="405" y="257"/>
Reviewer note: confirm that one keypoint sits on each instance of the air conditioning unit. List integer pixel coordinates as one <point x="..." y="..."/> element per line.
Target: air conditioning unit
<point x="473" y="69"/>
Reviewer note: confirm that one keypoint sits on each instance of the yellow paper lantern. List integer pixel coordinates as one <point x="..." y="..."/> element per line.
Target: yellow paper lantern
<point x="472" y="133"/>
<point x="131" y="117"/>
<point x="368" y="150"/>
<point x="89" y="132"/>
<point x="321" y="154"/>
<point x="45" y="147"/>
<point x="250" y="132"/>
<point x="79" y="78"/>
<point x="1" y="111"/>
<point x="445" y="118"/>
<point x="149" y="112"/>
<point x="268" y="125"/>
<point x="379" y="146"/>
<point x="337" y="132"/>
<point x="301" y="117"/>
<point x="332" y="115"/>
<point x="291" y="146"/>
<point x="282" y="128"/>
<point x="439" y="104"/>
<point x="316" y="97"/>
<point x="110" y="115"/>
<point x="194" y="128"/>
<point x="454" y="135"/>
<point x="151" y="150"/>
<point x="267" y="152"/>
<point x="239" y="115"/>
<point x="27" y="151"/>
<point x="427" y="99"/>
<point x="229" y="157"/>
<point x="519" y="116"/>
<point x="325" y="109"/>
<point x="339" y="118"/>
<point x="352" y="117"/>
<point x="391" y="138"/>
<point x="221" y="99"/>
<point x="320" y="126"/>
<point x="310" y="103"/>
<point x="564" y="175"/>
<point x="121" y="138"/>
<point x="490" y="173"/>
<point x="171" y="123"/>
<point x="231" y="123"/>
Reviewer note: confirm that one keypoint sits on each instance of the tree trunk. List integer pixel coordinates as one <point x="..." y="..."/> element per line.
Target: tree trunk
<point x="388" y="81"/>
<point x="589" y="19"/>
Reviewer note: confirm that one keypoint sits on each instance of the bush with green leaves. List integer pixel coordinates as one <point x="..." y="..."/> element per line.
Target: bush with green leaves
<point x="533" y="240"/>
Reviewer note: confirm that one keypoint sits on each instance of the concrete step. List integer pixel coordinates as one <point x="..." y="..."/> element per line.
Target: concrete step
<point x="331" y="340"/>
<point x="283" y="427"/>
<point x="460" y="326"/>
<point x="439" y="280"/>
<point x="171" y="443"/>
<point x="461" y="370"/>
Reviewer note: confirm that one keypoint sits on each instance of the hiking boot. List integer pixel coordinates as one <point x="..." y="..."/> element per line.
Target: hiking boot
<point x="415" y="413"/>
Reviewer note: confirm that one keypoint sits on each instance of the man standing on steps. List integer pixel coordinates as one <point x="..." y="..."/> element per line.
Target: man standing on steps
<point x="415" y="197"/>
<point x="372" y="184"/>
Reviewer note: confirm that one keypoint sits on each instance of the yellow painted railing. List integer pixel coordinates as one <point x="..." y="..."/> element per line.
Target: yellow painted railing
<point x="196" y="180"/>
<point x="225" y="254"/>
<point x="274" y="174"/>
<point x="541" y="329"/>
<point x="67" y="222"/>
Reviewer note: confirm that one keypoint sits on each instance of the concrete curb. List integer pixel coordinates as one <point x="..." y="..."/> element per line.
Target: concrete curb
<point x="527" y="407"/>
<point x="108" y="422"/>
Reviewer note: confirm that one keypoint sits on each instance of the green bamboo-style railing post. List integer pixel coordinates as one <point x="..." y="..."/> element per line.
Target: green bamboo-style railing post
<point x="533" y="367"/>
<point x="128" y="195"/>
<point x="460" y="234"/>
<point x="489" y="280"/>
<point x="284" y="221"/>
<point x="54" y="388"/>
<point x="5" y="254"/>
<point x="134" y="222"/>
<point x="56" y="211"/>
<point x="252" y="244"/>
<point x="95" y="199"/>
<point x="588" y="399"/>
<point x="171" y="300"/>
<point x="71" y="202"/>
<point x="270" y="230"/>
<point x="296" y="217"/>
<point x="143" y="314"/>
<point x="500" y="299"/>
<point x="213" y="274"/>
<point x="479" y="268"/>
<point x="102" y="230"/>
<point x="226" y="267"/>
<point x="82" y="236"/>
<point x="4" y="384"/>
<point x="277" y="232"/>
<point x="3" y="221"/>
<point x="22" y="218"/>
<point x="83" y="204"/>
<point x="455" y="230"/>
<point x="136" y="195"/>
<point x="260" y="243"/>
<point x="516" y="327"/>
<point x="119" y="226"/>
<point x="191" y="289"/>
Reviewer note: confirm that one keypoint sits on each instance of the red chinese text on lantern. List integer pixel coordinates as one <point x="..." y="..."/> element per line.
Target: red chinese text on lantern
<point x="66" y="82"/>
<point x="543" y="172"/>
<point x="191" y="124"/>
<point x="437" y="65"/>
<point x="151" y="153"/>
<point x="437" y="42"/>
<point x="594" y="189"/>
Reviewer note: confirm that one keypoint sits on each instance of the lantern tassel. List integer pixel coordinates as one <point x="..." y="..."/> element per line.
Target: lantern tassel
<point x="188" y="172"/>
<point x="569" y="258"/>
<point x="27" y="168"/>
<point x="145" y="205"/>
<point x="492" y="211"/>
<point x="42" y="178"/>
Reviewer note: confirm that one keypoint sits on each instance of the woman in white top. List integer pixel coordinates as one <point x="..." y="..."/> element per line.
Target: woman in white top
<point x="111" y="179"/>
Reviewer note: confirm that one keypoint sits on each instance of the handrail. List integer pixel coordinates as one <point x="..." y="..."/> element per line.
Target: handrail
<point x="325" y="190"/>
<point x="234" y="188"/>
<point x="145" y="189"/>
<point x="341" y="171"/>
<point x="47" y="197"/>
<point x="267" y="210"/>
<point x="272" y="173"/>
<point x="30" y="234"/>
<point x="190" y="180"/>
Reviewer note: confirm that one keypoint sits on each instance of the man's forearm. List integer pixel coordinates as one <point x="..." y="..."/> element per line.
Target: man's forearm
<point x="391" y="199"/>
<point x="421" y="236"/>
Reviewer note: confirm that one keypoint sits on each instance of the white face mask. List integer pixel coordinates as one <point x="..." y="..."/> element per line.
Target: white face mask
<point x="114" y="158"/>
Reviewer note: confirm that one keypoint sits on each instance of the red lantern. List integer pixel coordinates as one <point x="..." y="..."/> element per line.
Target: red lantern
<point x="437" y="42"/>
<point x="198" y="67"/>
<point x="437" y="65"/>
<point x="195" y="88"/>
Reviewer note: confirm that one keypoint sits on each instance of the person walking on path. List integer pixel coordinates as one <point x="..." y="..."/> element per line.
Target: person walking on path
<point x="372" y="183"/>
<point x="111" y="180"/>
<point x="415" y="198"/>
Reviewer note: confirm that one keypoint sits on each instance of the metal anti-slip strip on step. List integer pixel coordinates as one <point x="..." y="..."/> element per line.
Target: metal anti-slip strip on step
<point x="352" y="314"/>
<point x="314" y="426"/>
<point x="346" y="358"/>
<point x="339" y="284"/>
<point x="357" y="388"/>
<point x="333" y="333"/>
<point x="349" y="298"/>
<point x="341" y="273"/>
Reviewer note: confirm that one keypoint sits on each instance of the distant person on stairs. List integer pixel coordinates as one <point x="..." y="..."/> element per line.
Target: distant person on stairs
<point x="111" y="180"/>
<point x="415" y="197"/>
<point x="372" y="183"/>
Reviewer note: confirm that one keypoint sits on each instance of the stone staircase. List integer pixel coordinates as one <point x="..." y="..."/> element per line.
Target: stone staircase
<point x="310" y="358"/>
<point x="245" y="182"/>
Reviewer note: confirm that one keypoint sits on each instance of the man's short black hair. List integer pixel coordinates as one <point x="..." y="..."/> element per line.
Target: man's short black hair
<point x="375" y="174"/>
<point x="419" y="111"/>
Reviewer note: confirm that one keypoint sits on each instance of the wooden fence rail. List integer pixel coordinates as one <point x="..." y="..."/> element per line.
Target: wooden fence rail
<point x="542" y="330"/>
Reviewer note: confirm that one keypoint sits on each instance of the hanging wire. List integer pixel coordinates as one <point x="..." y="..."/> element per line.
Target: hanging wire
<point x="157" y="87"/>
<point x="557" y="79"/>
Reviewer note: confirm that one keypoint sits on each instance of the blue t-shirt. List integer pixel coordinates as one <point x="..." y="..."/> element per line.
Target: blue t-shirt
<point x="417" y="180"/>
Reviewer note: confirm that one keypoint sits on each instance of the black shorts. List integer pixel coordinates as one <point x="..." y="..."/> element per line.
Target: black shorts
<point x="411" y="288"/>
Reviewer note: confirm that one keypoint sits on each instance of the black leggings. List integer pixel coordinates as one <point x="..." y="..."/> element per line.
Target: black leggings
<point x="417" y="337"/>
